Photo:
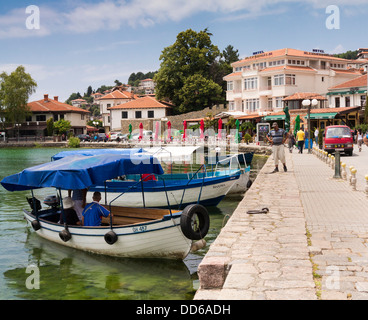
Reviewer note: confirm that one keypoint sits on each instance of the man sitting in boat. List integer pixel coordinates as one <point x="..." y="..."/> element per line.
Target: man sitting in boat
<point x="93" y="212"/>
<point x="70" y="214"/>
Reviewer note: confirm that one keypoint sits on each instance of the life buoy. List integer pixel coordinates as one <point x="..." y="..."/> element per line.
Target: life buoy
<point x="65" y="235"/>
<point x="195" y="222"/>
<point x="36" y="225"/>
<point x="111" y="237"/>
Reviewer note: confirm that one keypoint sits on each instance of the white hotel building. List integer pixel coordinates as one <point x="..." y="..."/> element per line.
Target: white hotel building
<point x="259" y="83"/>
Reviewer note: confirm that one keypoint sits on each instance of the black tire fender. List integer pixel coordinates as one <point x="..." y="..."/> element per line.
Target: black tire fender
<point x="111" y="237"/>
<point x="65" y="235"/>
<point x="36" y="225"/>
<point x="195" y="222"/>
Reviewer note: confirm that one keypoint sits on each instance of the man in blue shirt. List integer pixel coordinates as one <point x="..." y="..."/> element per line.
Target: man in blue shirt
<point x="93" y="212"/>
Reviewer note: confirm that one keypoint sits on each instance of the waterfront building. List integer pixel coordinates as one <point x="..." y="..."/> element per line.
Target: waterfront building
<point x="261" y="85"/>
<point x="147" y="85"/>
<point x="261" y="82"/>
<point x="45" y="109"/>
<point x="114" y="98"/>
<point x="145" y="110"/>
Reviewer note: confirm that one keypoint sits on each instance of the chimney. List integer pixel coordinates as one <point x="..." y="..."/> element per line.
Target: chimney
<point x="46" y="97"/>
<point x="56" y="98"/>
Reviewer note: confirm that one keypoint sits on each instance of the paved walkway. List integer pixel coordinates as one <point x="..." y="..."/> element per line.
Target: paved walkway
<point x="313" y="243"/>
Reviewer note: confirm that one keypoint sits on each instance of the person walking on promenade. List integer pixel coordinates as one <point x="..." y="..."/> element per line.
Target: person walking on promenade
<point x="277" y="137"/>
<point x="291" y="142"/>
<point x="300" y="136"/>
<point x="316" y="132"/>
<point x="359" y="139"/>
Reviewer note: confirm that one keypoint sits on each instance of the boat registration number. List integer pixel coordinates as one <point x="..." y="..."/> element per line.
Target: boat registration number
<point x="139" y="229"/>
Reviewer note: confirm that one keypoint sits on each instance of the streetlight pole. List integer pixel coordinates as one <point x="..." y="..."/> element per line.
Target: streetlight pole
<point x="308" y="103"/>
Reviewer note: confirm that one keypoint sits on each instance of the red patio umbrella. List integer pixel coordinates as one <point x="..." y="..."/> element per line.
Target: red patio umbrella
<point x="219" y="129"/>
<point x="140" y="131"/>
<point x="202" y="129"/>
<point x="169" y="130"/>
<point x="185" y="130"/>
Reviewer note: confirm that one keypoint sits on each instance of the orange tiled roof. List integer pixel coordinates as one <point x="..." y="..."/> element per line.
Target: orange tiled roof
<point x="53" y="106"/>
<point x="295" y="68"/>
<point x="288" y="52"/>
<point x="117" y="94"/>
<point x="356" y="82"/>
<point x="234" y="74"/>
<point x="146" y="102"/>
<point x="304" y="95"/>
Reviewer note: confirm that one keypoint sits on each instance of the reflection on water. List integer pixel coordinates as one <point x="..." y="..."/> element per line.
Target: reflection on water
<point x="67" y="273"/>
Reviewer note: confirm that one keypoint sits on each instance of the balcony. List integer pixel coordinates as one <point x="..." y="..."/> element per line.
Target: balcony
<point x="265" y="91"/>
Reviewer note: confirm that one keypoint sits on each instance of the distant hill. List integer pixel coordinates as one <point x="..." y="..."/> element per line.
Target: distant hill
<point x="352" y="55"/>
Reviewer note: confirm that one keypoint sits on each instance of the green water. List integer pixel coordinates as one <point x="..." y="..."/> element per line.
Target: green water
<point x="66" y="273"/>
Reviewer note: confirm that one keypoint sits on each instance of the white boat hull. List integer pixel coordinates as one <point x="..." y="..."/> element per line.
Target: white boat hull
<point x="156" y="239"/>
<point x="241" y="185"/>
<point x="209" y="195"/>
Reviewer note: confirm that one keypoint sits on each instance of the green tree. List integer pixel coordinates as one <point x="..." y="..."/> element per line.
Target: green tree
<point x="188" y="59"/>
<point x="62" y="126"/>
<point x="50" y="127"/>
<point x="89" y="91"/>
<point x="15" y="90"/>
<point x="230" y="55"/>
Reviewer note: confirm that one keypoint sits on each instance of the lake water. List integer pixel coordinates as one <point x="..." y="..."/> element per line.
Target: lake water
<point x="66" y="273"/>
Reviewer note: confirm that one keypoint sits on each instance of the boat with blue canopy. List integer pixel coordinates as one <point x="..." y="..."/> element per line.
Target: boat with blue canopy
<point x="204" y="185"/>
<point x="127" y="232"/>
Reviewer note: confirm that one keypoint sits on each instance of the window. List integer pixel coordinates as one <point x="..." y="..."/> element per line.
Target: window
<point x="230" y="86"/>
<point x="28" y="118"/>
<point x="290" y="79"/>
<point x="269" y="104"/>
<point x="337" y="102"/>
<point x="82" y="116"/>
<point x="363" y="100"/>
<point x="252" y="105"/>
<point x="231" y="106"/>
<point x="151" y="114"/>
<point x="278" y="80"/>
<point x="61" y="116"/>
<point x="297" y="62"/>
<point x="124" y="114"/>
<point x="279" y="102"/>
<point x="250" y="83"/>
<point x="276" y="63"/>
<point x="41" y="117"/>
<point x="347" y="101"/>
<point x="138" y="114"/>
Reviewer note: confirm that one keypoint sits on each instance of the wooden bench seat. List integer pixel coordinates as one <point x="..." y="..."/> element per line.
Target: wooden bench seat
<point x="125" y="215"/>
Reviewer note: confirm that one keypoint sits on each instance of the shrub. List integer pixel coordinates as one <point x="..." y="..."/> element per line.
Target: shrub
<point x="74" y="142"/>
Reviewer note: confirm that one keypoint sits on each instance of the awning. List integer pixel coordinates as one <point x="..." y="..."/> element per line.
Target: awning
<point x="274" y="117"/>
<point x="316" y="116"/>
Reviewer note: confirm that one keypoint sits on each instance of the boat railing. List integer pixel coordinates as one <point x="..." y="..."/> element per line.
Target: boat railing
<point x="200" y="192"/>
<point x="230" y="161"/>
<point x="133" y="187"/>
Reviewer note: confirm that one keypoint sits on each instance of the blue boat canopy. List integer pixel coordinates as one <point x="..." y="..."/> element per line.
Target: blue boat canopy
<point x="95" y="152"/>
<point x="80" y="172"/>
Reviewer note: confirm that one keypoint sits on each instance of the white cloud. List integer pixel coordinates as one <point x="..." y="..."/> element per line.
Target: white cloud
<point x="87" y="17"/>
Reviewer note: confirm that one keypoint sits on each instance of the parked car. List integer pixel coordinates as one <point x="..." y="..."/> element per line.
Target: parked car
<point x="338" y="138"/>
<point x="147" y="134"/>
<point x="115" y="136"/>
<point x="84" y="137"/>
<point x="101" y="137"/>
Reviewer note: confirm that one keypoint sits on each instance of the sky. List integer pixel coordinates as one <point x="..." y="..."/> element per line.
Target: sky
<point x="68" y="45"/>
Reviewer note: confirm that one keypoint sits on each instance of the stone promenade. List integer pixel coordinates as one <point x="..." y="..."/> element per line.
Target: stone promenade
<point x="311" y="245"/>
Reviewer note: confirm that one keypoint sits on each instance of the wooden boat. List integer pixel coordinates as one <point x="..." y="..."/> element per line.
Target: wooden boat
<point x="130" y="232"/>
<point x="179" y="190"/>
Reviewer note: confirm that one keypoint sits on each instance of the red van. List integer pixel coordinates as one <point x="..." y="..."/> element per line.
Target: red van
<point x="338" y="138"/>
